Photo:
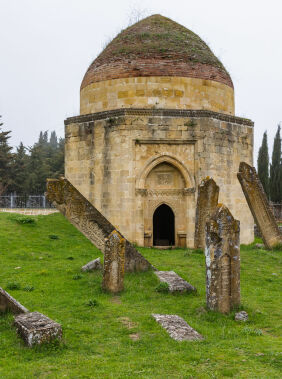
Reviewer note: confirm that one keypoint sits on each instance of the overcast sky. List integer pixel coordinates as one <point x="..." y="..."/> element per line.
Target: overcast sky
<point x="47" y="45"/>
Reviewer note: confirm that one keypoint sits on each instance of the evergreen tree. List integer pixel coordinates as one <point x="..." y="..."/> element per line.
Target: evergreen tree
<point x="275" y="182"/>
<point x="263" y="164"/>
<point x="53" y="140"/>
<point x="6" y="159"/>
<point x="20" y="173"/>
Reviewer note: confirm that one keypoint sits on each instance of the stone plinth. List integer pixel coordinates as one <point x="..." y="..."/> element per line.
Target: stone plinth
<point x="174" y="281"/>
<point x="92" y="265"/>
<point x="35" y="328"/>
<point x="89" y="221"/>
<point x="207" y="201"/>
<point x="114" y="263"/>
<point x="177" y="328"/>
<point x="259" y="205"/>
<point x="8" y="303"/>
<point x="222" y="261"/>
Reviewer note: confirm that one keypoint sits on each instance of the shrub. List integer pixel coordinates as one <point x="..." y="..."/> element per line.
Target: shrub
<point x="93" y="303"/>
<point x="28" y="288"/>
<point x="162" y="287"/>
<point x="77" y="276"/>
<point x="53" y="237"/>
<point x="25" y="220"/>
<point x="13" y="286"/>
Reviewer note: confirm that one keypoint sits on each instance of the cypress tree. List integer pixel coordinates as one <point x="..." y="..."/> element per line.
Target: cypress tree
<point x="263" y="164"/>
<point x="275" y="182"/>
<point x="20" y="173"/>
<point x="6" y="160"/>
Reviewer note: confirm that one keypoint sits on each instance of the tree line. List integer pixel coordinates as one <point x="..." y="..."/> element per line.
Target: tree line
<point x="270" y="174"/>
<point x="25" y="171"/>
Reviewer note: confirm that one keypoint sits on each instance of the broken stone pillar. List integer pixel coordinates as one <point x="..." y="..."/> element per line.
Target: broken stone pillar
<point x="259" y="206"/>
<point x="222" y="261"/>
<point x="89" y="221"/>
<point x="114" y="257"/>
<point x="207" y="201"/>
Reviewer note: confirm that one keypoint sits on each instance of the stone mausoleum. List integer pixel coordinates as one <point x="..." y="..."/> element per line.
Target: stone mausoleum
<point x="157" y="116"/>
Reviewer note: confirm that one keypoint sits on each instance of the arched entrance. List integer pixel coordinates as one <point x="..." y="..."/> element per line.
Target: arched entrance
<point x="163" y="226"/>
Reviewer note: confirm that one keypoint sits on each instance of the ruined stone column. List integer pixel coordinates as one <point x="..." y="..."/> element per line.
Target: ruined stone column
<point x="222" y="261"/>
<point x="259" y="206"/>
<point x="114" y="260"/>
<point x="207" y="201"/>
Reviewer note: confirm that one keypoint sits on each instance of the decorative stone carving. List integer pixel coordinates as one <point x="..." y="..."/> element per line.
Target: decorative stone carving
<point x="114" y="263"/>
<point x="86" y="218"/>
<point x="8" y="303"/>
<point x="35" y="328"/>
<point x="222" y="261"/>
<point x="207" y="200"/>
<point x="92" y="265"/>
<point x="174" y="281"/>
<point x="258" y="204"/>
<point x="177" y="328"/>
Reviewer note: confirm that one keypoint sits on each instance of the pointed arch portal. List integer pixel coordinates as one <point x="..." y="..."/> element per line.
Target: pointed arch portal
<point x="163" y="226"/>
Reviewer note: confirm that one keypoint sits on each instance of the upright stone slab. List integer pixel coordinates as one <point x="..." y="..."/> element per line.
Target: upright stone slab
<point x="89" y="221"/>
<point x="207" y="201"/>
<point x="8" y="303"/>
<point x="222" y="261"/>
<point x="114" y="263"/>
<point x="259" y="205"/>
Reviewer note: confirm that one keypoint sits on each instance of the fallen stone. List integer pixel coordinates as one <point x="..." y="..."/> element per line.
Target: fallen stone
<point x="174" y="281"/>
<point x="92" y="265"/>
<point x="259" y="246"/>
<point x="241" y="316"/>
<point x="35" y="328"/>
<point x="177" y="328"/>
<point x="8" y="303"/>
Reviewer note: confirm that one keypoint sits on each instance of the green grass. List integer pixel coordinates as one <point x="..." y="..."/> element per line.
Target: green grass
<point x="97" y="326"/>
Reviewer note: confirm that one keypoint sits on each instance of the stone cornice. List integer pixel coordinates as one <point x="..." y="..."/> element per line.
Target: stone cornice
<point x="158" y="113"/>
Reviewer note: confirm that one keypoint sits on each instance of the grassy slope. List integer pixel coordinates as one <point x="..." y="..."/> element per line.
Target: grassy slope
<point x="97" y="344"/>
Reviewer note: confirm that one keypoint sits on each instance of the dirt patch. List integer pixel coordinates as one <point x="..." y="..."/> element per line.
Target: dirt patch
<point x="134" y="336"/>
<point x="127" y="322"/>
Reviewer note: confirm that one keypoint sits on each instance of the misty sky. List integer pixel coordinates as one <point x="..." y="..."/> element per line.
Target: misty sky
<point x="47" y="45"/>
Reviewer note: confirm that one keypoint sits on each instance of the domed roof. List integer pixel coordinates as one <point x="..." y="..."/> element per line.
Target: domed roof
<point x="156" y="46"/>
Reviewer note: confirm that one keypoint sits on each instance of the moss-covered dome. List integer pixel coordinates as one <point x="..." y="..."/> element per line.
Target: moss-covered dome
<point x="156" y="46"/>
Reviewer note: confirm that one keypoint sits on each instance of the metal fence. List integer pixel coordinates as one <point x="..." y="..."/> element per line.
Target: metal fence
<point x="24" y="201"/>
<point x="277" y="210"/>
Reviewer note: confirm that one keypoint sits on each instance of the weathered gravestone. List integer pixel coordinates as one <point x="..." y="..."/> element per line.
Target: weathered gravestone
<point x="8" y="303"/>
<point x="114" y="257"/>
<point x="86" y="218"/>
<point x="207" y="201"/>
<point x="174" y="281"/>
<point x="92" y="265"/>
<point x="36" y="328"/>
<point x="222" y="261"/>
<point x="259" y="206"/>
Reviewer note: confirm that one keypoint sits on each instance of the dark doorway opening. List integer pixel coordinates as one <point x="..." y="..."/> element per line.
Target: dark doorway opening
<point x="163" y="226"/>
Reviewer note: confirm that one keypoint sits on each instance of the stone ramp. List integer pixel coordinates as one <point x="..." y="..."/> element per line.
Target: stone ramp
<point x="177" y="328"/>
<point x="259" y="205"/>
<point x="174" y="281"/>
<point x="89" y="221"/>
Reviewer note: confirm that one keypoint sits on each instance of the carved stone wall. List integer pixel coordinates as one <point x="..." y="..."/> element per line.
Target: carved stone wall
<point x="86" y="218"/>
<point x="222" y="261"/>
<point x="208" y="193"/>
<point x="259" y="205"/>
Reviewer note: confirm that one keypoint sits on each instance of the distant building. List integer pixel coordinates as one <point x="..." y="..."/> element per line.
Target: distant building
<point x="156" y="117"/>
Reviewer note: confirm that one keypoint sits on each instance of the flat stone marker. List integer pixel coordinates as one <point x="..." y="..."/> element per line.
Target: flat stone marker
<point x="8" y="303"/>
<point x="35" y="328"/>
<point x="92" y="265"/>
<point x="174" y="281"/>
<point x="177" y="328"/>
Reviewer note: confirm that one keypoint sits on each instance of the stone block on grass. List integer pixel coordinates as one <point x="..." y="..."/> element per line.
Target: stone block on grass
<point x="8" y="303"/>
<point x="92" y="265"/>
<point x="175" y="282"/>
<point x="36" y="328"/>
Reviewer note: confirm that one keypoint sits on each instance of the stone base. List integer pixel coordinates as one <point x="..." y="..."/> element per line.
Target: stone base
<point x="35" y="328"/>
<point x="174" y="281"/>
<point x="177" y="328"/>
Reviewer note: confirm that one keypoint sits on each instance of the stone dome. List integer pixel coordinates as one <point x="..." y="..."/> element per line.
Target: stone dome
<point x="157" y="63"/>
